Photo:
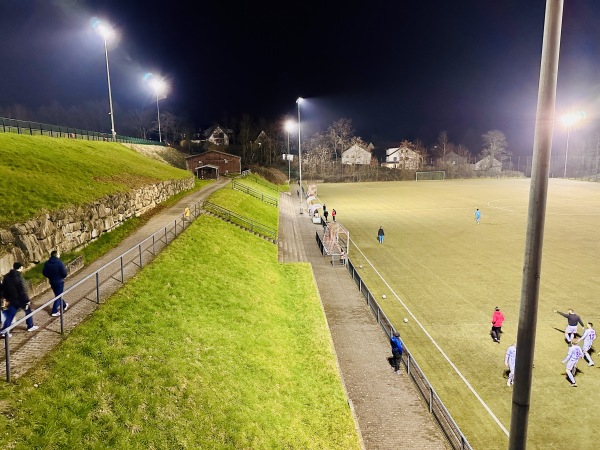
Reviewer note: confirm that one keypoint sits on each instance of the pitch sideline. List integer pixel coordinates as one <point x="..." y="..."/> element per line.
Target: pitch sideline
<point x="487" y="408"/>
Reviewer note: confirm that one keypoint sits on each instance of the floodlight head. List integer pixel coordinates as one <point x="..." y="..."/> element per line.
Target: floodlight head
<point x="159" y="86"/>
<point x="570" y="119"/>
<point x="106" y="31"/>
<point x="299" y="100"/>
<point x="289" y="126"/>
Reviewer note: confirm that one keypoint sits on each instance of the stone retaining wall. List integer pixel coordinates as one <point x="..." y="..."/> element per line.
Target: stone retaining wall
<point x="75" y="227"/>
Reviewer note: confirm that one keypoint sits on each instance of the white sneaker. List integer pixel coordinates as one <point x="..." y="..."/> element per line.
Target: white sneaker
<point x="66" y="307"/>
<point x="591" y="363"/>
<point x="56" y="314"/>
<point x="3" y="335"/>
<point x="33" y="328"/>
<point x="508" y="383"/>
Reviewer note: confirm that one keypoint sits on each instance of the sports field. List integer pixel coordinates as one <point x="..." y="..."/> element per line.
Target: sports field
<point x="446" y="274"/>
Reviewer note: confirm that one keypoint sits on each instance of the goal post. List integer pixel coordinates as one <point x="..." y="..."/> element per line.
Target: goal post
<point x="432" y="175"/>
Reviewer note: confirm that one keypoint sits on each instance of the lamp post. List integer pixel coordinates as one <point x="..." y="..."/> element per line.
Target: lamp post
<point x="159" y="87"/>
<point x="289" y="127"/>
<point x="569" y="120"/>
<point x="107" y="33"/>
<point x="298" y="101"/>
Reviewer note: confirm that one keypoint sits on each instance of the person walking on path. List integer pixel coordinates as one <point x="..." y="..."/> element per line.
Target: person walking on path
<point x="477" y="215"/>
<point x="56" y="272"/>
<point x="588" y="339"/>
<point x="380" y="235"/>
<point x="572" y="320"/>
<point x="497" y="321"/>
<point x="13" y="288"/>
<point x="333" y="213"/>
<point x="325" y="212"/>
<point x="573" y="355"/>
<point x="509" y="361"/>
<point x="396" y="344"/>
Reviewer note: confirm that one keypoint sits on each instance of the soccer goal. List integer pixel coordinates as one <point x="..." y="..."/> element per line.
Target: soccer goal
<point x="432" y="175"/>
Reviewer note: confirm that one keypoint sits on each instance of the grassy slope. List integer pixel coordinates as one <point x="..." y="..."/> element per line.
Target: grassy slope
<point x="206" y="348"/>
<point x="41" y="173"/>
<point x="451" y="273"/>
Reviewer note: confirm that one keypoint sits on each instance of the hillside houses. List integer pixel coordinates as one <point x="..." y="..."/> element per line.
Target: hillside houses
<point x="402" y="158"/>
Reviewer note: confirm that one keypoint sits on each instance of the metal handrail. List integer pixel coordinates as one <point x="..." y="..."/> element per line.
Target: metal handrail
<point x="254" y="193"/>
<point x="245" y="222"/>
<point x="173" y="228"/>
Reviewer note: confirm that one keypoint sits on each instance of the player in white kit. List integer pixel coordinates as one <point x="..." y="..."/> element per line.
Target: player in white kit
<point x="509" y="361"/>
<point x="588" y="339"/>
<point x="573" y="355"/>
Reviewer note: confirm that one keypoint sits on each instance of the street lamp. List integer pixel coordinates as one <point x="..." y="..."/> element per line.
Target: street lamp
<point x="289" y="127"/>
<point x="107" y="33"/>
<point x="298" y="101"/>
<point x="569" y="120"/>
<point x="160" y="87"/>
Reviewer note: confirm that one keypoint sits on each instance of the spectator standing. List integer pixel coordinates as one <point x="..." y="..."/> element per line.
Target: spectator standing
<point x="477" y="215"/>
<point x="13" y="287"/>
<point x="588" y="339"/>
<point x="380" y="235"/>
<point x="325" y="213"/>
<point x="572" y="321"/>
<point x="56" y="272"/>
<point x="509" y="361"/>
<point x="573" y="355"/>
<point x="333" y="214"/>
<point x="497" y="321"/>
<point x="396" y="344"/>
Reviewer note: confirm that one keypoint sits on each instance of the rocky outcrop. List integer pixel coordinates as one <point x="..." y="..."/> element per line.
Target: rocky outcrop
<point x="75" y="227"/>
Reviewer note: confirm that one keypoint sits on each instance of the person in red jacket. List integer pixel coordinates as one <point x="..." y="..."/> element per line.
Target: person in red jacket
<point x="497" y="321"/>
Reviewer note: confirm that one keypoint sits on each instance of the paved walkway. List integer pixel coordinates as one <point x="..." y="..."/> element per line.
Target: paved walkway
<point x="388" y="408"/>
<point x="27" y="349"/>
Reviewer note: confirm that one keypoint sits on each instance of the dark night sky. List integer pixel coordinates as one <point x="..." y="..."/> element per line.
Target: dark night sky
<point x="399" y="69"/>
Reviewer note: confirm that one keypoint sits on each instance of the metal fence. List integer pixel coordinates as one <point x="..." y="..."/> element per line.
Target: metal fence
<point x="42" y="129"/>
<point x="254" y="193"/>
<point x="244" y="222"/>
<point x="89" y="292"/>
<point x="434" y="403"/>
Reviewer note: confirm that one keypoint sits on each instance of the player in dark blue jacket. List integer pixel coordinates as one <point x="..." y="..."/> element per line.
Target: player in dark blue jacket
<point x="56" y="272"/>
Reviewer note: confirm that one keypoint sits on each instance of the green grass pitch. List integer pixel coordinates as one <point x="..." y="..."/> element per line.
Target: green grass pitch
<point x="451" y="272"/>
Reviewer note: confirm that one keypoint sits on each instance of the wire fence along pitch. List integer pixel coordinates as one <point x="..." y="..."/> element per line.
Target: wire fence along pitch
<point x="105" y="281"/>
<point x="434" y="403"/>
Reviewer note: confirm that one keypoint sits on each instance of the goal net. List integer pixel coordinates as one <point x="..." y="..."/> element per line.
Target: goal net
<point x="433" y="175"/>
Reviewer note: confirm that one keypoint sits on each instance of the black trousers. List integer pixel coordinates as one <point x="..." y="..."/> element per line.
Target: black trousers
<point x="396" y="358"/>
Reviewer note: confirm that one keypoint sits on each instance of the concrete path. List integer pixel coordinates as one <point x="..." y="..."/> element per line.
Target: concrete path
<point x="388" y="408"/>
<point x="27" y="349"/>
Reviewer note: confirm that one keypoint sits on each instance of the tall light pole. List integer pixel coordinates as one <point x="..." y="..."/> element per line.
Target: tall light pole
<point x="298" y="101"/>
<point x="289" y="127"/>
<point x="107" y="32"/>
<point x="159" y="87"/>
<point x="569" y="120"/>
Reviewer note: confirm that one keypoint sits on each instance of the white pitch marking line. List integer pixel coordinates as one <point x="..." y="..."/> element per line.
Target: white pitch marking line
<point x="487" y="408"/>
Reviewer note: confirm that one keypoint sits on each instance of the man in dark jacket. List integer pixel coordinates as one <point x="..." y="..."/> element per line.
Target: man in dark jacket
<point x="13" y="287"/>
<point x="396" y="344"/>
<point x="56" y="272"/>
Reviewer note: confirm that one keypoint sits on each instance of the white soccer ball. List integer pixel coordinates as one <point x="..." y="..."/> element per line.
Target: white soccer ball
<point x="383" y="296"/>
<point x="360" y="267"/>
<point x="405" y="320"/>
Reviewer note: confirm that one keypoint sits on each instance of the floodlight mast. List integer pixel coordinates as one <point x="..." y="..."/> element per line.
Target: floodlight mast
<point x="300" y="155"/>
<point x="106" y="33"/>
<point x="289" y="126"/>
<point x="535" y="225"/>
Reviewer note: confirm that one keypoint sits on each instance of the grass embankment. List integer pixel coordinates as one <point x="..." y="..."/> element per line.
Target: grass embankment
<point x="205" y="348"/>
<point x="247" y="206"/>
<point x="39" y="173"/>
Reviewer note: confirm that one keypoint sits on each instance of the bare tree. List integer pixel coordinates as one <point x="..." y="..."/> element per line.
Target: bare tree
<point x="443" y="144"/>
<point x="495" y="145"/>
<point x="339" y="133"/>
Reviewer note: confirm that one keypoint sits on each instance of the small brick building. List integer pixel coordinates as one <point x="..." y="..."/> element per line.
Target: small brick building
<point x="212" y="164"/>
